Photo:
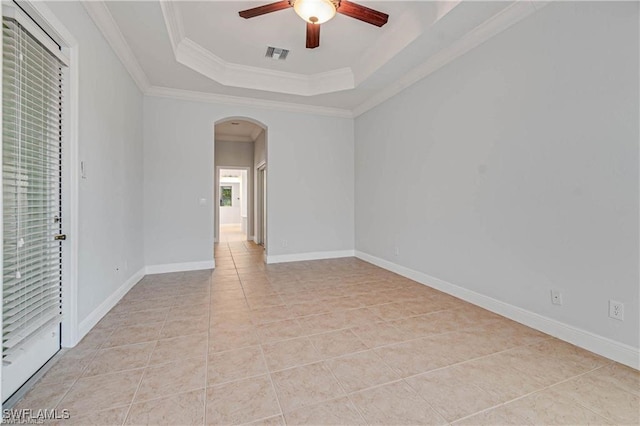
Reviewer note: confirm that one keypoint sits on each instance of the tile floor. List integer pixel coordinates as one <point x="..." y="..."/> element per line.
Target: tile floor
<point x="323" y="342"/>
<point x="231" y="234"/>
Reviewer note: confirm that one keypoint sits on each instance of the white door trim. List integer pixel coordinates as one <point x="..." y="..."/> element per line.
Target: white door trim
<point x="261" y="201"/>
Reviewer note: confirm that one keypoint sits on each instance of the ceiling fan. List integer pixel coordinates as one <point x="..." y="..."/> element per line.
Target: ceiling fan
<point x="316" y="12"/>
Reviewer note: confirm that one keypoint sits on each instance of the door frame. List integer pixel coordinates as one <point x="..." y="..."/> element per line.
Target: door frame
<point x="46" y="19"/>
<point x="214" y="190"/>
<point x="261" y="206"/>
<point x="216" y="199"/>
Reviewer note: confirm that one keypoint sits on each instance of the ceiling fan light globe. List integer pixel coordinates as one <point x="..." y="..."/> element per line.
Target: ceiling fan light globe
<point x="315" y="11"/>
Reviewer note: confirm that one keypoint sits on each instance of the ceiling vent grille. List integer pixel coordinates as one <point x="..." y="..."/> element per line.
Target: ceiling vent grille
<point x="276" y="53"/>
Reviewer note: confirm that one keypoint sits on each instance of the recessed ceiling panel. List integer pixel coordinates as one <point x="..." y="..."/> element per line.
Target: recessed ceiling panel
<point x="419" y="36"/>
<point x="217" y="27"/>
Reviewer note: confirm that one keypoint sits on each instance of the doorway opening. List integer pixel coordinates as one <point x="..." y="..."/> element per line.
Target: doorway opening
<point x="240" y="160"/>
<point x="233" y="204"/>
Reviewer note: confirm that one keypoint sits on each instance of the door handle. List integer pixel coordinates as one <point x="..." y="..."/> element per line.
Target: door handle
<point x="60" y="237"/>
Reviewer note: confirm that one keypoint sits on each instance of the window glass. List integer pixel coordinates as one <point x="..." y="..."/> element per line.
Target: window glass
<point x="225" y="196"/>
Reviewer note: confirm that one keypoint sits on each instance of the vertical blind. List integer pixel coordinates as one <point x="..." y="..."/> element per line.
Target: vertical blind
<point x="31" y="172"/>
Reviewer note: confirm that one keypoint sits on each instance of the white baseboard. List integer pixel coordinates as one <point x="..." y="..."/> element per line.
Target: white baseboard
<point x="180" y="267"/>
<point x="620" y="352"/>
<point x="309" y="256"/>
<point x="92" y="319"/>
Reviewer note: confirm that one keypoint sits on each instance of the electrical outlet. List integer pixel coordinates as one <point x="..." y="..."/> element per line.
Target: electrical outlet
<point x="616" y="310"/>
<point x="396" y="251"/>
<point x="556" y="297"/>
<point x="284" y="243"/>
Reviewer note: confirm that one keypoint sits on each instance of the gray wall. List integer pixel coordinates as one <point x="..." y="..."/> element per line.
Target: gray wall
<point x="309" y="155"/>
<point x="514" y="169"/>
<point x="110" y="144"/>
<point x="233" y="154"/>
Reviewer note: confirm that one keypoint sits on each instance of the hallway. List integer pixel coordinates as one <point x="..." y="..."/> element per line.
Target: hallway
<point x="322" y="342"/>
<point x="232" y="233"/>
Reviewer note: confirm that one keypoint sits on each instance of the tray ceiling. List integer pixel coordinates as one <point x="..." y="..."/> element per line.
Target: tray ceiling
<point x="204" y="50"/>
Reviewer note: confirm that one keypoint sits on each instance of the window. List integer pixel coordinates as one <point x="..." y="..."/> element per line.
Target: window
<point x="225" y="196"/>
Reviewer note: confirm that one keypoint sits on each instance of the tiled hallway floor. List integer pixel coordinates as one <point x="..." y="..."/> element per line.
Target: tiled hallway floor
<point x="232" y="234"/>
<point x="322" y="342"/>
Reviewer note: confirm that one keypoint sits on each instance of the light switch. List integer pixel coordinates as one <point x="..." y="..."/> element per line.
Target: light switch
<point x="202" y="201"/>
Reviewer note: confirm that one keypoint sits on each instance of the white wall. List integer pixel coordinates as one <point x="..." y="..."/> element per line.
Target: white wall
<point x="178" y="171"/>
<point x="231" y="214"/>
<point x="110" y="144"/>
<point x="522" y="163"/>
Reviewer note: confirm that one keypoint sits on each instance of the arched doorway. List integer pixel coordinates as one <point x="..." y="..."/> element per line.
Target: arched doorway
<point x="240" y="189"/>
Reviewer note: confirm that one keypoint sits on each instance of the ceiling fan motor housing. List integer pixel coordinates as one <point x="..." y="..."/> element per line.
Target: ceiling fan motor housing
<point x="336" y="3"/>
<point x="315" y="11"/>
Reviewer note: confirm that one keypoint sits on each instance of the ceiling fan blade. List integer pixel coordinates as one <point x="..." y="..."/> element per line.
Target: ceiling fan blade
<point x="262" y="10"/>
<point x="313" y="35"/>
<point x="363" y="13"/>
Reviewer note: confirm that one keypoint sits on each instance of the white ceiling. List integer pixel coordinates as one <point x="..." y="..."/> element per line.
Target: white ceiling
<point x="204" y="50"/>
<point x="345" y="42"/>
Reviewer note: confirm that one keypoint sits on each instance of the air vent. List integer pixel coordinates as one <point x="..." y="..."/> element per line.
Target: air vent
<point x="276" y="53"/>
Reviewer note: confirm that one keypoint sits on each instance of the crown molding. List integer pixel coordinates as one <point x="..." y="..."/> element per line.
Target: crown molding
<point x="199" y="59"/>
<point x="103" y="19"/>
<point x="187" y="95"/>
<point x="173" y="21"/>
<point x="488" y="29"/>
<point x="409" y="27"/>
<point x="192" y="55"/>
